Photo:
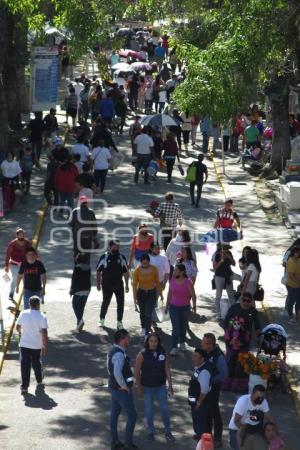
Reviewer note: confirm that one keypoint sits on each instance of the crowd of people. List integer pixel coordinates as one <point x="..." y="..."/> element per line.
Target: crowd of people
<point x="155" y="270"/>
<point x="151" y="274"/>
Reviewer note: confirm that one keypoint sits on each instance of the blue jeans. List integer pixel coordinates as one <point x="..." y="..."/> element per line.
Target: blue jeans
<point x="121" y="400"/>
<point x="78" y="303"/>
<point x="293" y="298"/>
<point x="161" y="394"/>
<point x="180" y="318"/>
<point x="142" y="162"/>
<point x="27" y="294"/>
<point x="233" y="440"/>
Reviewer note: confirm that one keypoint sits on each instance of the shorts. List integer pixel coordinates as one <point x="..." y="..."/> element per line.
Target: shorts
<point x="72" y="112"/>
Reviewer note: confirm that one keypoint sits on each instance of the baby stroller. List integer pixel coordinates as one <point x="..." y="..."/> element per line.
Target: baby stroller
<point x="251" y="155"/>
<point x="273" y="343"/>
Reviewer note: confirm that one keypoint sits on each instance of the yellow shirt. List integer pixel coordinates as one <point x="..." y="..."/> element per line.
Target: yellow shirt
<point x="293" y="267"/>
<point x="145" y="280"/>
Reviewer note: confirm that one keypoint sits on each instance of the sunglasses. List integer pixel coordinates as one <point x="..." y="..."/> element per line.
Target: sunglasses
<point x="247" y="300"/>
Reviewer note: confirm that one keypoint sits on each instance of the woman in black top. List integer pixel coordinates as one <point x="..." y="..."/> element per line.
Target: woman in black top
<point x="151" y="373"/>
<point x="80" y="287"/>
<point x="238" y="326"/>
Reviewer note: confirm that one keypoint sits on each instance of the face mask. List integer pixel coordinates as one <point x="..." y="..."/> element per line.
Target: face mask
<point x="258" y="401"/>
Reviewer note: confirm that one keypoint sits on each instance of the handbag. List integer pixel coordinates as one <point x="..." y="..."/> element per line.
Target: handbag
<point x="259" y="293"/>
<point x="213" y="284"/>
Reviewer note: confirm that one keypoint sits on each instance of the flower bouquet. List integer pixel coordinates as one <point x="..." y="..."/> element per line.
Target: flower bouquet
<point x="154" y="204"/>
<point x="259" y="368"/>
<point x="261" y="365"/>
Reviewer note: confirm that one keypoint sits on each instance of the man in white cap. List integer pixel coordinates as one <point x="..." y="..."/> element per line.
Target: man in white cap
<point x="32" y="328"/>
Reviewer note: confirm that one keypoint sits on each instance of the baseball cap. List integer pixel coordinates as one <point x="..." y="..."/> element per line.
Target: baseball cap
<point x="19" y="230"/>
<point x="83" y="199"/>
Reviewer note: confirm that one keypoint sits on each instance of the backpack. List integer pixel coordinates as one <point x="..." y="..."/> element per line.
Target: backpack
<point x="191" y="173"/>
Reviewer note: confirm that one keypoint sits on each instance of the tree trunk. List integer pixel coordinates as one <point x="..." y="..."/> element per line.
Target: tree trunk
<point x="278" y="93"/>
<point x="3" y="105"/>
<point x="14" y="68"/>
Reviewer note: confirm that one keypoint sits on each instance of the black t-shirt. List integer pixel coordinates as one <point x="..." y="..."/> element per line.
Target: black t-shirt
<point x="225" y="268"/>
<point x="32" y="275"/>
<point x="112" y="266"/>
<point x="36" y="127"/>
<point x="201" y="169"/>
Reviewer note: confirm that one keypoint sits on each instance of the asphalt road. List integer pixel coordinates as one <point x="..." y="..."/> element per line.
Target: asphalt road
<point x="73" y="412"/>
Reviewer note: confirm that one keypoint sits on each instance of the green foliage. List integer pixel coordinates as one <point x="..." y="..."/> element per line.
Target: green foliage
<point x="232" y="49"/>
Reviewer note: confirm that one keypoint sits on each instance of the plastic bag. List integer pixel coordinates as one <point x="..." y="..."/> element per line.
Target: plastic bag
<point x="161" y="314"/>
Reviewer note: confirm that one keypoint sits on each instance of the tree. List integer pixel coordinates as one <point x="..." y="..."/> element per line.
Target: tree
<point x="254" y="47"/>
<point x="88" y="22"/>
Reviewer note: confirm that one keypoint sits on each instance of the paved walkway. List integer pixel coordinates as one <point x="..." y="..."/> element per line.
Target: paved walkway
<point x="74" y="411"/>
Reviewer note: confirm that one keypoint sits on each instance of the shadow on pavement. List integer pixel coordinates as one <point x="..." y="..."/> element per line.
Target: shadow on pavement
<point x="40" y="400"/>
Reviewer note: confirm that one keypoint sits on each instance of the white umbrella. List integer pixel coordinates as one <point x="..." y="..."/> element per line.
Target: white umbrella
<point x="121" y="66"/>
<point x="160" y="120"/>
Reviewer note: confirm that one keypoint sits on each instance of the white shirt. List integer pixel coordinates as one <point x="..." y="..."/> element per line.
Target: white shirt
<point x="162" y="264"/>
<point x="254" y="275"/>
<point x="244" y="407"/>
<point x="174" y="247"/>
<point x="144" y="144"/>
<point x="82" y="150"/>
<point x="32" y="322"/>
<point x="204" y="380"/>
<point x="101" y="157"/>
<point x="10" y="169"/>
<point x="162" y="96"/>
<point x="78" y="88"/>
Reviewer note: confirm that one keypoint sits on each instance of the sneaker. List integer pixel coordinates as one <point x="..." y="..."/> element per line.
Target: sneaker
<point x="150" y="437"/>
<point x="24" y="391"/>
<point x="183" y="347"/>
<point x="218" y="443"/>
<point x="131" y="447"/>
<point x="101" y="323"/>
<point x="174" y="352"/>
<point x="292" y="320"/>
<point x="120" y="325"/>
<point x="170" y="437"/>
<point x="80" y="325"/>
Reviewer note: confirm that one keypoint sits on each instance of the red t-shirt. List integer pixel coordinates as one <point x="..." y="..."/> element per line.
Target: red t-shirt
<point x="64" y="180"/>
<point x="15" y="253"/>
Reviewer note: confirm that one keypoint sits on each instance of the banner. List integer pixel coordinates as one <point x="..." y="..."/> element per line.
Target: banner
<point x="44" y="74"/>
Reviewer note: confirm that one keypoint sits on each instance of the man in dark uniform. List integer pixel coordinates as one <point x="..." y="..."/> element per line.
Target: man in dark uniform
<point x="199" y="393"/>
<point x="216" y="358"/>
<point x="111" y="269"/>
<point x="120" y="384"/>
